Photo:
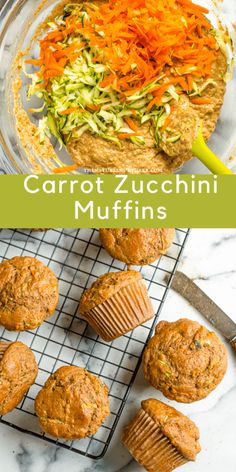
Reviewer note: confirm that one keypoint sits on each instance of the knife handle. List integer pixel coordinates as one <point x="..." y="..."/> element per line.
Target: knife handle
<point x="233" y="344"/>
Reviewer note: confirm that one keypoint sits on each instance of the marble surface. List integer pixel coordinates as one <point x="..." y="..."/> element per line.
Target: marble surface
<point x="209" y="259"/>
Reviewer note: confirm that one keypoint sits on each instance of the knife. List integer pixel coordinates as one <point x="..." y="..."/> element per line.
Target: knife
<point x="199" y="300"/>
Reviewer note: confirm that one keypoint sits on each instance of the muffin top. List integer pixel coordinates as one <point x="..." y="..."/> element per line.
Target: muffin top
<point x="136" y="246"/>
<point x="184" y="360"/>
<point x="72" y="404"/>
<point x="181" y="431"/>
<point x="106" y="286"/>
<point x="28" y="293"/>
<point x="18" y="371"/>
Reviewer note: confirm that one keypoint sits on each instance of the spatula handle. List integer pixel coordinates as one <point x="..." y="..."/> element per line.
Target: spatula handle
<point x="208" y="158"/>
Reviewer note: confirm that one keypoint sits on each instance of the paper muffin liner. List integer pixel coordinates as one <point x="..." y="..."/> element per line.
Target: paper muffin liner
<point x="124" y="311"/>
<point x="3" y="347"/>
<point x="147" y="444"/>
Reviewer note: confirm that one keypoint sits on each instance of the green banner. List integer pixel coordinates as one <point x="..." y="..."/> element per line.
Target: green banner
<point x="118" y="201"/>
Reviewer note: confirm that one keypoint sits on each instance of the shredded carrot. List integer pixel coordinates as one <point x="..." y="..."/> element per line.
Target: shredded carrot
<point x="184" y="84"/>
<point x="192" y="6"/>
<point x="167" y="122"/>
<point x="64" y="170"/>
<point x="94" y="107"/>
<point x="126" y="135"/>
<point x="190" y="82"/>
<point x="131" y="124"/>
<point x="138" y="40"/>
<point x="152" y="36"/>
<point x="200" y="101"/>
<point x="34" y="62"/>
<point x="71" y="110"/>
<point x="158" y="90"/>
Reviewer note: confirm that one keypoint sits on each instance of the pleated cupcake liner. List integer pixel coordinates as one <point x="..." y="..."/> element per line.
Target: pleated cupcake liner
<point x="148" y="445"/>
<point x="124" y="311"/>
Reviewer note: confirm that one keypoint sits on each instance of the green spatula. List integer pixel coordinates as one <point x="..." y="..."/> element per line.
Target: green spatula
<point x="208" y="158"/>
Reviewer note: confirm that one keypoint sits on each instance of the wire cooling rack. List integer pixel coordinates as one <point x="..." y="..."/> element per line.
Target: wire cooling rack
<point x="77" y="258"/>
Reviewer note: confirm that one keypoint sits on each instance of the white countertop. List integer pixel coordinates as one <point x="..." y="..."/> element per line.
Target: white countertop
<point x="209" y="259"/>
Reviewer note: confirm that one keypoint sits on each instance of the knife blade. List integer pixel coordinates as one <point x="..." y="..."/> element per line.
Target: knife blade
<point x="205" y="305"/>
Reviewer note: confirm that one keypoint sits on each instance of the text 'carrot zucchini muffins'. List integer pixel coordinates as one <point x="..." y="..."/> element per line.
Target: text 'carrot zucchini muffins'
<point x="18" y="371"/>
<point x="161" y="438"/>
<point x="136" y="246"/>
<point x="28" y="293"/>
<point x="184" y="360"/>
<point x="116" y="303"/>
<point x="72" y="404"/>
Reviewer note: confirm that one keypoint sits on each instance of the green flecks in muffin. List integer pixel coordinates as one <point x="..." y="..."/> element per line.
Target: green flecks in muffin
<point x="197" y="344"/>
<point x="167" y="373"/>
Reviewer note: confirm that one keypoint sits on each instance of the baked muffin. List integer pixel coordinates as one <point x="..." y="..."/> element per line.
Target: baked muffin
<point x="72" y="404"/>
<point x="136" y="246"/>
<point x="184" y="360"/>
<point x="161" y="438"/>
<point x="18" y="371"/>
<point x="116" y="303"/>
<point x="28" y="293"/>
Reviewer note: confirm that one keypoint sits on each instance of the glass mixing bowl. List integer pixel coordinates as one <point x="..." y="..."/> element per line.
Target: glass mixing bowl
<point x="19" y="20"/>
